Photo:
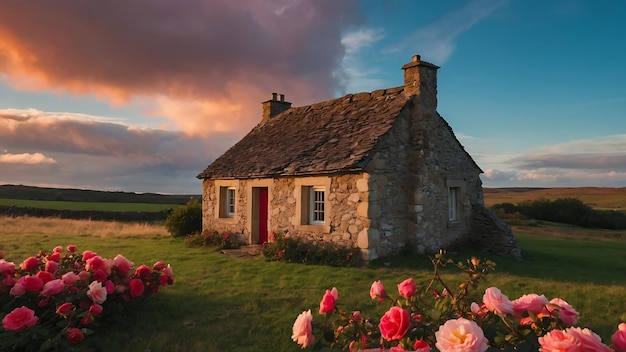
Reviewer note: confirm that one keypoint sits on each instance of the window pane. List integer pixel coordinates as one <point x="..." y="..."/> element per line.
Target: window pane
<point x="317" y="206"/>
<point x="230" y="201"/>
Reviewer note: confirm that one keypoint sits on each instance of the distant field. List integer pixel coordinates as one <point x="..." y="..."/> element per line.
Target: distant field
<point x="92" y="206"/>
<point x="595" y="197"/>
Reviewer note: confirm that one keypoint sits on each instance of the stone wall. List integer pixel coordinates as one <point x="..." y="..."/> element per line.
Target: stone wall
<point x="346" y="215"/>
<point x="437" y="163"/>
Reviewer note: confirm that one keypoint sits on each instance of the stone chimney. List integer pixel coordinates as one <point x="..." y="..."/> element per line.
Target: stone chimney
<point x="274" y="106"/>
<point x="420" y="78"/>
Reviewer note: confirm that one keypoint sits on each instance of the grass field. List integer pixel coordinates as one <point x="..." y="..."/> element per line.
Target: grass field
<point x="595" y="197"/>
<point x="97" y="206"/>
<point x="220" y="303"/>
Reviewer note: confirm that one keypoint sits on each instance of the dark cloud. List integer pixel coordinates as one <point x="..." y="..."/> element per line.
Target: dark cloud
<point x="188" y="48"/>
<point x="49" y="134"/>
<point x="597" y="161"/>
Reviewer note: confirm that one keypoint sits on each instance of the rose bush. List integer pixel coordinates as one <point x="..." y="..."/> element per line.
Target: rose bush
<point x="435" y="316"/>
<point x="51" y="301"/>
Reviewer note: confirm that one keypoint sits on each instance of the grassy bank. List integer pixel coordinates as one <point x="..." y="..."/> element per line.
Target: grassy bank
<point x="97" y="206"/>
<point x="219" y="303"/>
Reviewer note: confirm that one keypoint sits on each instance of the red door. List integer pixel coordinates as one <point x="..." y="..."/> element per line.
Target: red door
<point x="262" y="215"/>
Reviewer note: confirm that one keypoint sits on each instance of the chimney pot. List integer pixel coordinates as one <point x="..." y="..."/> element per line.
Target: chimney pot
<point x="274" y="106"/>
<point x="416" y="58"/>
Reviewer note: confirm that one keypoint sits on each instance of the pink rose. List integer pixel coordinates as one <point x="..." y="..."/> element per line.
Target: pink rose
<point x="96" y="263"/>
<point x="559" y="341"/>
<point x="30" y="264"/>
<point x="158" y="265"/>
<point x="19" y="318"/>
<point x="88" y="254"/>
<point x="136" y="287"/>
<point x="52" y="266"/>
<point x="58" y="249"/>
<point x="303" y="330"/>
<point x="394" y="324"/>
<point x="31" y="283"/>
<point x="17" y="290"/>
<point x="460" y="335"/>
<point x="378" y="290"/>
<point x="55" y="257"/>
<point x="567" y="313"/>
<point x="95" y="309"/>
<point x="110" y="286"/>
<point x="8" y="281"/>
<point x="407" y="288"/>
<point x="99" y="275"/>
<point x="143" y="271"/>
<point x="356" y="316"/>
<point x="164" y="280"/>
<point x="97" y="293"/>
<point x="45" y="276"/>
<point x="531" y="302"/>
<point x="497" y="302"/>
<point x="619" y="338"/>
<point x="53" y="287"/>
<point x="397" y="349"/>
<point x="327" y="305"/>
<point x="479" y="311"/>
<point x="7" y="267"/>
<point x="589" y="340"/>
<point x="123" y="265"/>
<point x="169" y="272"/>
<point x="69" y="278"/>
<point x="71" y="248"/>
<point x="65" y="308"/>
<point x="421" y="346"/>
<point x="74" y="335"/>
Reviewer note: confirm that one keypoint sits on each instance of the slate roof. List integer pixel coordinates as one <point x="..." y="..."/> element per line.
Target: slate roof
<point x="328" y="137"/>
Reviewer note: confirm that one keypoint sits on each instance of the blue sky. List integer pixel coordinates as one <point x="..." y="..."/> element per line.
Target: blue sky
<point x="143" y="96"/>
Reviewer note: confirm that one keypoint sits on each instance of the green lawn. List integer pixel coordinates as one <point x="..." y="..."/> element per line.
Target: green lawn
<point x="219" y="303"/>
<point x="97" y="206"/>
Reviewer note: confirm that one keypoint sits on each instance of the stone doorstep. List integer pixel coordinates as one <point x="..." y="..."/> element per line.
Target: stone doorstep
<point x="245" y="252"/>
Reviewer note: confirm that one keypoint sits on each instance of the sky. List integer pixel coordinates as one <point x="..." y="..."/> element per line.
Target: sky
<point x="141" y="96"/>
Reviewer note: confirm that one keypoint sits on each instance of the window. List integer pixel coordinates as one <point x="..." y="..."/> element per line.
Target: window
<point x="313" y="203"/>
<point x="316" y="215"/>
<point x="227" y="202"/>
<point x="230" y="201"/>
<point x="453" y="204"/>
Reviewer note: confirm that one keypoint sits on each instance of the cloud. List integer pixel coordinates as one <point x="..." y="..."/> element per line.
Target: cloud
<point x="219" y="53"/>
<point x="437" y="40"/>
<point x="598" y="162"/>
<point x="94" y="152"/>
<point x="355" y="73"/>
<point x="499" y="175"/>
<point x="26" y="158"/>
<point x="600" y="153"/>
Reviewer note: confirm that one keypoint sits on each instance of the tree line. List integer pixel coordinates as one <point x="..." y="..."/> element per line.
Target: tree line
<point x="563" y="210"/>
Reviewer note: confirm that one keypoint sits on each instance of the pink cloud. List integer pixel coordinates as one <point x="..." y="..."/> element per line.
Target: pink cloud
<point x="220" y="57"/>
<point x="26" y="158"/>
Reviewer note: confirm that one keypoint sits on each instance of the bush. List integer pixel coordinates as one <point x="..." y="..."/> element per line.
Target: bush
<point x="282" y="247"/>
<point x="563" y="210"/>
<point x="213" y="239"/>
<point x="185" y="220"/>
<point x="53" y="301"/>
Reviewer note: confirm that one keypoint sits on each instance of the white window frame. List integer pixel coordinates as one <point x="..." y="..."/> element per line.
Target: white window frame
<point x="231" y="200"/>
<point x="317" y="206"/>
<point x="453" y="203"/>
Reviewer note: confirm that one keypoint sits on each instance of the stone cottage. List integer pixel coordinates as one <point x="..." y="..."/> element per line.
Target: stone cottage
<point x="379" y="171"/>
